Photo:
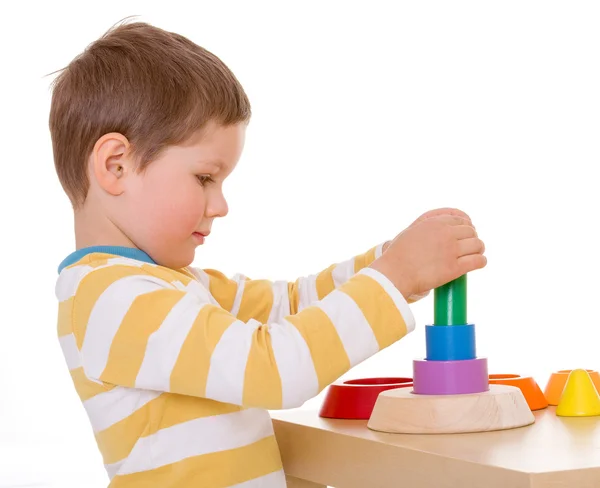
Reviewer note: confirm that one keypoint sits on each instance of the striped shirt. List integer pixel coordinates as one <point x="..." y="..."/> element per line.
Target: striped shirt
<point x="177" y="369"/>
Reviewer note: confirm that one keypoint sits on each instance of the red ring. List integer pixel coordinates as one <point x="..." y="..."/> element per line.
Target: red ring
<point x="355" y="399"/>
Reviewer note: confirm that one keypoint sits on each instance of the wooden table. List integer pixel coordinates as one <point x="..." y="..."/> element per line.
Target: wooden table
<point x="554" y="452"/>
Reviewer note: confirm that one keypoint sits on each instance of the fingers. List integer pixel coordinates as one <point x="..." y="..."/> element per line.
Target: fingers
<point x="445" y="211"/>
<point x="464" y="231"/>
<point x="471" y="245"/>
<point x="452" y="220"/>
<point x="471" y="262"/>
<point x="455" y="212"/>
<point x="417" y="296"/>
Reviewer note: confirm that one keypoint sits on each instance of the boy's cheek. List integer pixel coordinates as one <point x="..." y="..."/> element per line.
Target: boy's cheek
<point x="175" y="214"/>
<point x="165" y="208"/>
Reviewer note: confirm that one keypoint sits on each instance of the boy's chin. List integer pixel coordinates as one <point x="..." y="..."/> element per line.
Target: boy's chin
<point x="176" y="260"/>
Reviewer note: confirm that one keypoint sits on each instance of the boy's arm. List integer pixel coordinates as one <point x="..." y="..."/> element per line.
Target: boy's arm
<point x="266" y="300"/>
<point x="141" y="331"/>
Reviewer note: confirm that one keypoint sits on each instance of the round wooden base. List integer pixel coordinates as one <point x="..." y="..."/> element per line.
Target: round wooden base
<point x="401" y="411"/>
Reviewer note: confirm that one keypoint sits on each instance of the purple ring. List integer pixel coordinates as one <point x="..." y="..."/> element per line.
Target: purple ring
<point x="450" y="377"/>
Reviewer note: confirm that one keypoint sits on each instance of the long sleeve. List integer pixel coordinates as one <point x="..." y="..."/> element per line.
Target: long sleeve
<point x="140" y="327"/>
<point x="265" y="300"/>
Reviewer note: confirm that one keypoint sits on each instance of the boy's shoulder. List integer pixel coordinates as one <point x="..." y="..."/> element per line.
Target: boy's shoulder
<point x="99" y="270"/>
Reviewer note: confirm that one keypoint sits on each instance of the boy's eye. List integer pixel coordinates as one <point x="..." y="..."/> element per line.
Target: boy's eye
<point x="204" y="179"/>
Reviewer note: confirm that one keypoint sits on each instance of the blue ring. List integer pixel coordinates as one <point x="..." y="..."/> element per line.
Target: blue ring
<point x="450" y="342"/>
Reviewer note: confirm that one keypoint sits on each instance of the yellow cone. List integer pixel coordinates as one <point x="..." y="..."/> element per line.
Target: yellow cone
<point x="579" y="397"/>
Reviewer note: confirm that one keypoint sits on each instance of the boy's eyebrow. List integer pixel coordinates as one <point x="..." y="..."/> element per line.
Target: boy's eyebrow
<point x="212" y="162"/>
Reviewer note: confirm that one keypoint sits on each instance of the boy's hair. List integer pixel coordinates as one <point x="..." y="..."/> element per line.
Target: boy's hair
<point x="155" y="87"/>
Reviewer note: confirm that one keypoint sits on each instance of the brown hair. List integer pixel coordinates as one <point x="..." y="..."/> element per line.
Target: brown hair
<point x="155" y="87"/>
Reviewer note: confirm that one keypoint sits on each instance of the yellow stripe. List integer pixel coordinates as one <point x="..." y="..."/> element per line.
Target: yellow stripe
<point x="363" y="260"/>
<point x="191" y="369"/>
<point x="180" y="408"/>
<point x="325" y="284"/>
<point x="117" y="441"/>
<point x="215" y="470"/>
<point x="257" y="301"/>
<point x="221" y="288"/>
<point x="187" y="272"/>
<point x="378" y="308"/>
<point x="91" y="287"/>
<point x="144" y="317"/>
<point x="294" y="294"/>
<point x="92" y="260"/>
<point x="326" y="348"/>
<point x="65" y="317"/>
<point x="166" y="274"/>
<point x="262" y="383"/>
<point x="86" y="388"/>
<point x="96" y="262"/>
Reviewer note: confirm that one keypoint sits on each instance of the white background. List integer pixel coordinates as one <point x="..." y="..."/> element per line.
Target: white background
<point x="366" y="114"/>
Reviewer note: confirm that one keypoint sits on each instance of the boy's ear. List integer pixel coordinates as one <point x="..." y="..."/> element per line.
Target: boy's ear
<point x="111" y="162"/>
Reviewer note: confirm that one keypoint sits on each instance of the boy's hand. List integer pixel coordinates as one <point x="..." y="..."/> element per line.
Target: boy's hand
<point x="434" y="213"/>
<point x="442" y="211"/>
<point x="432" y="251"/>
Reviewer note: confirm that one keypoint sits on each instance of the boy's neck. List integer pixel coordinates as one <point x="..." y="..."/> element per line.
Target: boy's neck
<point x="95" y="229"/>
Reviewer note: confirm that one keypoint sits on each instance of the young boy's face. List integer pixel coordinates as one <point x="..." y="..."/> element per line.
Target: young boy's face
<point x="172" y="204"/>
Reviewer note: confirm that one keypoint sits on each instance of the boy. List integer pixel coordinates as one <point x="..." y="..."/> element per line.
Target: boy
<point x="176" y="366"/>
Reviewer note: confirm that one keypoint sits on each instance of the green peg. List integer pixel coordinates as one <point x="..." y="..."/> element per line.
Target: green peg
<point x="450" y="303"/>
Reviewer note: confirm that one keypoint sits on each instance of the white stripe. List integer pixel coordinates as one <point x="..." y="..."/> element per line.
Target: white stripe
<point x="178" y="285"/>
<point x="271" y="480"/>
<point x="68" y="281"/>
<point x="110" y="407"/>
<point x="197" y="437"/>
<point x="307" y="292"/>
<point x="351" y="325"/>
<point x="299" y="380"/>
<point x="379" y="250"/>
<point x="225" y="381"/>
<point x="69" y="278"/>
<point x="241" y="282"/>
<point x="395" y="294"/>
<point x="122" y="261"/>
<point x="343" y="272"/>
<point x="70" y="351"/>
<point x="196" y="288"/>
<point x="107" y="315"/>
<point x="164" y="345"/>
<point x="201" y="275"/>
<point x="281" y="302"/>
<point x="113" y="469"/>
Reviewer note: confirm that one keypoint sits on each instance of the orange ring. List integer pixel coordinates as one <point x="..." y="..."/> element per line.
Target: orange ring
<point x="557" y="381"/>
<point x="531" y="390"/>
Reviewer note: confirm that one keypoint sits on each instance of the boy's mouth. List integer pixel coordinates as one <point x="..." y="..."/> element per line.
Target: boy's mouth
<point x="199" y="236"/>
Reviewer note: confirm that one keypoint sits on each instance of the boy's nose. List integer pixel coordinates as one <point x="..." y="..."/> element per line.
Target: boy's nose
<point x="217" y="207"/>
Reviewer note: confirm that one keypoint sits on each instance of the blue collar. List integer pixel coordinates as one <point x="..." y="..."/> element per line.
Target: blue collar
<point x="126" y="252"/>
